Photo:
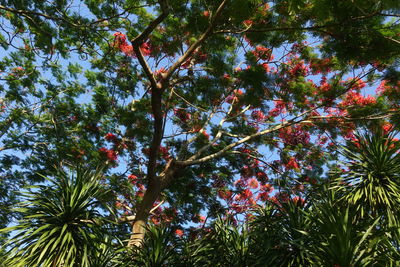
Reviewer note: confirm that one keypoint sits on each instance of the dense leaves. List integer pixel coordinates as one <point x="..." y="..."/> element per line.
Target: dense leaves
<point x="61" y="223"/>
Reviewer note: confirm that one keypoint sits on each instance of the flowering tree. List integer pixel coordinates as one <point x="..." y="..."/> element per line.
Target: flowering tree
<point x="194" y="108"/>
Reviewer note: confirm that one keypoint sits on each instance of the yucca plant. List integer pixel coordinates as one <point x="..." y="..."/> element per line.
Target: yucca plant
<point x="225" y="245"/>
<point x="159" y="248"/>
<point x="339" y="239"/>
<point x="61" y="223"/>
<point x="277" y="235"/>
<point x="372" y="182"/>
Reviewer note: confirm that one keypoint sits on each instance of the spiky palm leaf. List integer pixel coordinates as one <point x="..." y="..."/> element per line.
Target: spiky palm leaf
<point x="339" y="239"/>
<point x="277" y="235"/>
<point x="225" y="245"/>
<point x="61" y="224"/>
<point x="372" y="183"/>
<point x="158" y="249"/>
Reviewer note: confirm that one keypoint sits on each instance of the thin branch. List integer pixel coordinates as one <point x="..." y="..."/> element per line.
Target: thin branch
<point x="138" y="40"/>
<point x="259" y="159"/>
<point x="187" y="102"/>
<point x="391" y="39"/>
<point x="146" y="68"/>
<point x="25" y="13"/>
<point x="243" y="140"/>
<point x="220" y="132"/>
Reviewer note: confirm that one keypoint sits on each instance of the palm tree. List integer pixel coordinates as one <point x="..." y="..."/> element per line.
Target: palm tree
<point x="278" y="235"/>
<point x="159" y="248"/>
<point x="61" y="223"/>
<point x="372" y="183"/>
<point x="339" y="238"/>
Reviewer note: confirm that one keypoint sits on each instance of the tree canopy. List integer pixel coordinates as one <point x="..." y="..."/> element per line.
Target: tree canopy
<point x="193" y="109"/>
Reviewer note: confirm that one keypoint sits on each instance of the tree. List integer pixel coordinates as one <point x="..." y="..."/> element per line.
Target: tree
<point x="373" y="163"/>
<point x="176" y="98"/>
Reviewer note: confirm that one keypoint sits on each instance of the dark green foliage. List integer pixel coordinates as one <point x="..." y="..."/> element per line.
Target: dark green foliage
<point x="61" y="223"/>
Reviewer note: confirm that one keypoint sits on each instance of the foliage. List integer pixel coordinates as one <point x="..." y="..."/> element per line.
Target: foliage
<point x="373" y="175"/>
<point x="205" y="109"/>
<point x="61" y="223"/>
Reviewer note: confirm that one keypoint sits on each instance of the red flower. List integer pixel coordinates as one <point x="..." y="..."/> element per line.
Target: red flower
<point x="356" y="99"/>
<point x="132" y="178"/>
<point x="294" y="135"/>
<point x="263" y="196"/>
<point x="262" y="52"/>
<point x="145" y="48"/>
<point x="387" y="128"/>
<point x="248" y="22"/>
<point x="127" y="49"/>
<point x="110" y="137"/>
<point x="292" y="164"/>
<point x="109" y="153"/>
<point x="262" y="176"/>
<point x="253" y="183"/>
<point x="298" y="201"/>
<point x="182" y="114"/>
<point x="205" y="134"/>
<point x="266" y="67"/>
<point x="257" y="115"/>
<point x="120" y="37"/>
<point x="225" y="194"/>
<point x="246" y="194"/>
<point x="267" y="188"/>
<point x="179" y="232"/>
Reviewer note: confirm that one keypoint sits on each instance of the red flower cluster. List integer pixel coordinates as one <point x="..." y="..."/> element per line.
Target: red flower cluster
<point x="266" y="67"/>
<point x="262" y="176"/>
<point x="182" y="114"/>
<point x="248" y="22"/>
<point x="353" y="98"/>
<point x="235" y="97"/>
<point x="257" y="115"/>
<point x="298" y="201"/>
<point x="357" y="84"/>
<point x="111" y="137"/>
<point x="263" y="53"/>
<point x="324" y="86"/>
<point x="280" y="108"/>
<point x="109" y="153"/>
<point x="225" y="194"/>
<point x="179" y="232"/>
<point x="164" y="152"/>
<point x="158" y="73"/>
<point x="132" y="178"/>
<point x="253" y="183"/>
<point x="387" y="128"/>
<point x="385" y="88"/>
<point x="299" y="69"/>
<point x="292" y="164"/>
<point x="244" y="195"/>
<point x="320" y="65"/>
<point x="127" y="49"/>
<point x="120" y="42"/>
<point x="280" y="197"/>
<point x="294" y="135"/>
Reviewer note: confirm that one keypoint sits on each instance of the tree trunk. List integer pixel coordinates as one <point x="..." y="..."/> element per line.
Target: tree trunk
<point x="143" y="211"/>
<point x="150" y="197"/>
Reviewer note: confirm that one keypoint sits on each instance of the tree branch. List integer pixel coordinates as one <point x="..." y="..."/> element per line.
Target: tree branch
<point x="25" y="13"/>
<point x="138" y="40"/>
<point x="243" y="140"/>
